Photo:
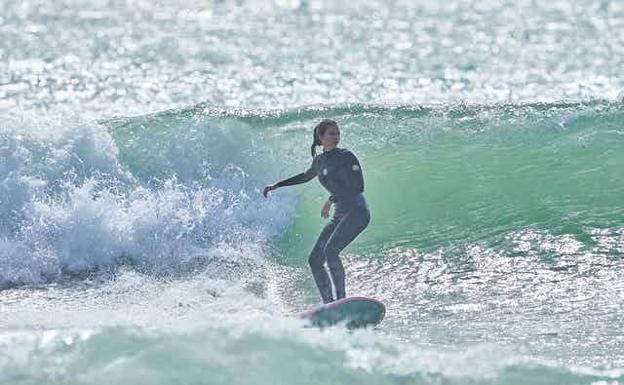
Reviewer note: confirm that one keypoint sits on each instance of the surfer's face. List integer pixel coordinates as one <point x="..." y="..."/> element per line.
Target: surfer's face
<point x="331" y="137"/>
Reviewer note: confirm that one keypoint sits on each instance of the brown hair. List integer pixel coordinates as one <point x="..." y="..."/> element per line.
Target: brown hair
<point x="319" y="130"/>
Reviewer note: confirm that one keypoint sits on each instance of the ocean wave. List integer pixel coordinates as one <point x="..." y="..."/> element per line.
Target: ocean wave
<point x="161" y="189"/>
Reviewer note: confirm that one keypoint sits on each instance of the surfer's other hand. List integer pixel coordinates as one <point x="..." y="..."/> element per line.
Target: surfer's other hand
<point x="325" y="209"/>
<point x="268" y="188"/>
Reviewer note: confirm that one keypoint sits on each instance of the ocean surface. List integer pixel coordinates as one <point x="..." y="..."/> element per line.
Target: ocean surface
<point x="136" y="138"/>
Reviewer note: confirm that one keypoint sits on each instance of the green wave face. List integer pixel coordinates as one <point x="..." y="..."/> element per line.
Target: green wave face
<point x="443" y="178"/>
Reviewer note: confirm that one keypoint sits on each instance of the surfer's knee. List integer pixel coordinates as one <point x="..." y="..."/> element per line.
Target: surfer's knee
<point x="316" y="260"/>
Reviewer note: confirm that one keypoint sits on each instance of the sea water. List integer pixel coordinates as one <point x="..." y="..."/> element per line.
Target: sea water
<point x="136" y="138"/>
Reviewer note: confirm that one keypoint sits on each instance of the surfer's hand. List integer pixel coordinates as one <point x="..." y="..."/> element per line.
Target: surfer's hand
<point x="268" y="188"/>
<point x="325" y="209"/>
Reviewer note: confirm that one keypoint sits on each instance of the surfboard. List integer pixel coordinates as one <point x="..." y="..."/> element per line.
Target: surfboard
<point x="355" y="312"/>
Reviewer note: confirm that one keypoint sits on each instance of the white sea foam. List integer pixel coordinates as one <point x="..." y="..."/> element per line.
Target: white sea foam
<point x="69" y="204"/>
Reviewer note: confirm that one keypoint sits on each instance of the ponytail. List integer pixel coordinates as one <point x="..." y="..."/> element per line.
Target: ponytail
<point x="315" y="142"/>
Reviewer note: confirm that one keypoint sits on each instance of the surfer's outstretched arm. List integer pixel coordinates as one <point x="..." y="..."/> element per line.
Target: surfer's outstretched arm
<point x="299" y="178"/>
<point x="303" y="177"/>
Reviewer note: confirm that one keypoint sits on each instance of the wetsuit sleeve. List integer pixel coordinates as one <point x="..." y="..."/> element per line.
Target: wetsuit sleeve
<point x="350" y="172"/>
<point x="303" y="177"/>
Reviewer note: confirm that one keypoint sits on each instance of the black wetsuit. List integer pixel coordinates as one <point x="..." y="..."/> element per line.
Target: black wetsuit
<point x="340" y="173"/>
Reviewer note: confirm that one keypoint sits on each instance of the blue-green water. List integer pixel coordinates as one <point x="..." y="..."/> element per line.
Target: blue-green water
<point x="136" y="138"/>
